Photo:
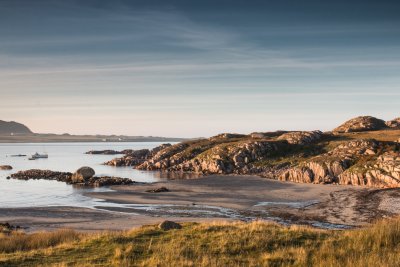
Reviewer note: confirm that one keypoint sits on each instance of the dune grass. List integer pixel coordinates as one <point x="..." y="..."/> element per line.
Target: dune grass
<point x="208" y="244"/>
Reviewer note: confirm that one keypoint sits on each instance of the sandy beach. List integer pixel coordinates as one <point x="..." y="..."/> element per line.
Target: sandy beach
<point x="215" y="197"/>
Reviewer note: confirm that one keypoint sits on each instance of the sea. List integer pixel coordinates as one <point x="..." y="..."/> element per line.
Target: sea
<point x="66" y="157"/>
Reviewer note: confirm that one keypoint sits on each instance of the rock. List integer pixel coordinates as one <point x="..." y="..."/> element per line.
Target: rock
<point x="227" y="136"/>
<point x="136" y="157"/>
<point x="67" y="178"/>
<point x="395" y="123"/>
<point x="169" y="225"/>
<point x="105" y="152"/>
<point x="158" y="190"/>
<point x="35" y="174"/>
<point x="82" y="175"/>
<point x="361" y="124"/>
<point x="352" y="163"/>
<point x="107" y="181"/>
<point x="159" y="148"/>
<point x="266" y="134"/>
<point x="301" y="138"/>
<point x="5" y="167"/>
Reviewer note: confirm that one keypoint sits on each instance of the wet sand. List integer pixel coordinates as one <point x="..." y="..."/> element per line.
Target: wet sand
<point x="217" y="197"/>
<point x="81" y="219"/>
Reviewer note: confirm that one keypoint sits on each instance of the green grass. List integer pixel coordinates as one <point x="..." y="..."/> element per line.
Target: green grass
<point x="208" y="244"/>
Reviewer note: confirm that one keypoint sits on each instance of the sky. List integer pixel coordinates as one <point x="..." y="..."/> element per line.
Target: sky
<point x="197" y="68"/>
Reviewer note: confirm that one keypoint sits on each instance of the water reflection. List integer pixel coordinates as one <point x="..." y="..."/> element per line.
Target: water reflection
<point x="63" y="157"/>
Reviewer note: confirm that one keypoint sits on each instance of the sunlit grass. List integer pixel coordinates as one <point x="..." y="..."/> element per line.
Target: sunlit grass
<point x="208" y="244"/>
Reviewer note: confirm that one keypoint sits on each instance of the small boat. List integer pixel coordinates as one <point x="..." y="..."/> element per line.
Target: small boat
<point x="38" y="156"/>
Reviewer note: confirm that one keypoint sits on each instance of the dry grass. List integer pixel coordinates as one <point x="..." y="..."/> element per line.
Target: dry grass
<point x="383" y="135"/>
<point x="211" y="244"/>
<point x="18" y="241"/>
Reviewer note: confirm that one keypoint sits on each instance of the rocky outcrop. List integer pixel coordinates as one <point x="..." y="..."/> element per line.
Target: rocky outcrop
<point x="136" y="157"/>
<point x="361" y="124"/>
<point x="300" y="156"/>
<point x="164" y="158"/>
<point x="352" y="163"/>
<point x="82" y="175"/>
<point x="221" y="158"/>
<point x="66" y="177"/>
<point x="133" y="158"/>
<point x="327" y="168"/>
<point x="301" y="138"/>
<point x="395" y="123"/>
<point x="5" y="167"/>
<point x="384" y="172"/>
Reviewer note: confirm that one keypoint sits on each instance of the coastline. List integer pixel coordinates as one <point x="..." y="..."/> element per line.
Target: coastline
<point x="216" y="197"/>
<point x="55" y="138"/>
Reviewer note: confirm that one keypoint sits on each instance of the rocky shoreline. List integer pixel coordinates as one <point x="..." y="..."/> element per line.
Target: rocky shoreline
<point x="363" y="151"/>
<point x="135" y="157"/>
<point x="67" y="177"/>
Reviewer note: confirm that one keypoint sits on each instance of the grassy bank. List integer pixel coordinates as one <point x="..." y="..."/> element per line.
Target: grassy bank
<point x="211" y="244"/>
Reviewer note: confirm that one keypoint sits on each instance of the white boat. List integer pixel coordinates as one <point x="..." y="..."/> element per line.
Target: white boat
<point x="38" y="156"/>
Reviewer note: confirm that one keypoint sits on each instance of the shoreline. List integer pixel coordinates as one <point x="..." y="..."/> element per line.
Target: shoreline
<point x="216" y="198"/>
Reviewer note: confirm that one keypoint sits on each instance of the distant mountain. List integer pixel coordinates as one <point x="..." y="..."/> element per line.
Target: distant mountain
<point x="14" y="132"/>
<point x="12" y="127"/>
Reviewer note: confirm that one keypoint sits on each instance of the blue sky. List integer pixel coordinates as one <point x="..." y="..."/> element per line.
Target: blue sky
<point x="197" y="68"/>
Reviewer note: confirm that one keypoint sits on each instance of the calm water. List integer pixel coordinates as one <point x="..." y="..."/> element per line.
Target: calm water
<point x="62" y="157"/>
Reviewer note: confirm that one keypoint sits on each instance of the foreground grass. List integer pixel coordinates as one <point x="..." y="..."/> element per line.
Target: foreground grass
<point x="215" y="244"/>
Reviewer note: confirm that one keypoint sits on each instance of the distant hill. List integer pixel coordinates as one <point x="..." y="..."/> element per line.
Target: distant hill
<point x="12" y="127"/>
<point x="14" y="132"/>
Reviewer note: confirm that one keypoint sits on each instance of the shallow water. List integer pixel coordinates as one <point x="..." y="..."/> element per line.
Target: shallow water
<point x="62" y="157"/>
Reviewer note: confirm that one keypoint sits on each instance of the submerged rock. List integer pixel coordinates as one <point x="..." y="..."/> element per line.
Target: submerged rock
<point x="158" y="190"/>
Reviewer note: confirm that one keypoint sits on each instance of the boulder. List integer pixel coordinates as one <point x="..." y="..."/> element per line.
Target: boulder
<point x="5" y="167"/>
<point x="301" y="138"/>
<point x="82" y="174"/>
<point x="361" y="124"/>
<point x="168" y="225"/>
